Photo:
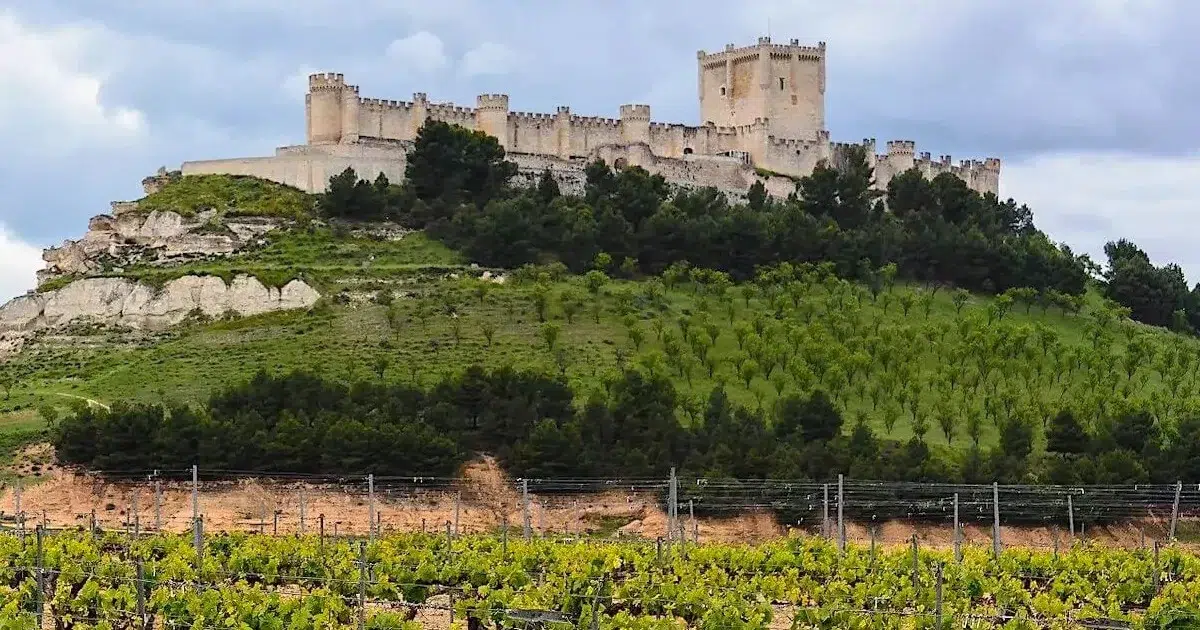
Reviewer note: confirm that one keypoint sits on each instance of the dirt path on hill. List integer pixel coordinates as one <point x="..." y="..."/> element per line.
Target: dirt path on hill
<point x="484" y="500"/>
<point x="90" y="401"/>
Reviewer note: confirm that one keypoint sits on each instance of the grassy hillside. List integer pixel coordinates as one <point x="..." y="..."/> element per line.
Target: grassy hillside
<point x="229" y="194"/>
<point x="907" y="360"/>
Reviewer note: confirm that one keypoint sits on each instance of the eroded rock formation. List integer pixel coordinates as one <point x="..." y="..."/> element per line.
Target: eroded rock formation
<point x="125" y="302"/>
<point x="126" y="237"/>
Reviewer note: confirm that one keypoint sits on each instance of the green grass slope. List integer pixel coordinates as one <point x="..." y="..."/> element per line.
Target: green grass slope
<point x="908" y="360"/>
<point x="231" y="195"/>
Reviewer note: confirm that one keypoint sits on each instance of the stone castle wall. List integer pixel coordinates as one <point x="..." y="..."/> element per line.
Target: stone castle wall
<point x="762" y="107"/>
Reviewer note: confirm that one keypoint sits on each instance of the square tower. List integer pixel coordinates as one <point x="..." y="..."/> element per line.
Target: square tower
<point x="784" y="84"/>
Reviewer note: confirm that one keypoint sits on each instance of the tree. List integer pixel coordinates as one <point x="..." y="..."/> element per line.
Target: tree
<point x="960" y="299"/>
<point x="571" y="303"/>
<point x="1066" y="434"/>
<point x="347" y="197"/>
<point x="452" y="164"/>
<point x="550" y="332"/>
<point x="488" y="328"/>
<point x="637" y="336"/>
<point x="756" y="197"/>
<point x="1016" y="438"/>
<point x="595" y="280"/>
<point x="547" y="188"/>
<point x="8" y="381"/>
<point x="541" y="299"/>
<point x="947" y="419"/>
<point x="381" y="365"/>
<point x="812" y="419"/>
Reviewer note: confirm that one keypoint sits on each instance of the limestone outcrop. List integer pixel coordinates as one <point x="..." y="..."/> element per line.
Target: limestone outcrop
<point x="125" y="302"/>
<point x="126" y="237"/>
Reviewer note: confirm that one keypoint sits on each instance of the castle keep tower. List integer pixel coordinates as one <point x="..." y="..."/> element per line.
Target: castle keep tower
<point x="784" y="84"/>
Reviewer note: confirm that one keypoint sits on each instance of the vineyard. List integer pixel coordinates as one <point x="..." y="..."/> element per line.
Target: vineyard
<point x="428" y="580"/>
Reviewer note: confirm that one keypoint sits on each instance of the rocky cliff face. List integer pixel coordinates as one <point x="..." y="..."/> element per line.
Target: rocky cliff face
<point x="124" y="302"/>
<point x="127" y="237"/>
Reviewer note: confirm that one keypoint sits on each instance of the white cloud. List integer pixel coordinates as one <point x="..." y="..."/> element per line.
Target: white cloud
<point x="48" y="98"/>
<point x="422" y="51"/>
<point x="296" y="84"/>
<point x="1088" y="199"/>
<point x="19" y="262"/>
<point x="865" y="31"/>
<point x="489" y="58"/>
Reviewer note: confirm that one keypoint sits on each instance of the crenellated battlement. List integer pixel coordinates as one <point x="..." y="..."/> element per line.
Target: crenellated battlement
<point x="759" y="124"/>
<point x="662" y="126"/>
<point x="867" y="144"/>
<point x="450" y="109"/>
<point x="593" y="121"/>
<point x="734" y="53"/>
<point x="326" y="80"/>
<point x="635" y="112"/>
<point x="533" y="117"/>
<point x="380" y="103"/>
<point x="492" y="102"/>
<point x="764" y="102"/>
<point x="794" y="143"/>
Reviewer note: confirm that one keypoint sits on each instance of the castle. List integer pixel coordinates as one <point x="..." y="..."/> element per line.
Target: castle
<point x="762" y="109"/>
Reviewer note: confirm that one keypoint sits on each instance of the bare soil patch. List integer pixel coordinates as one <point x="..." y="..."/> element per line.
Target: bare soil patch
<point x="486" y="500"/>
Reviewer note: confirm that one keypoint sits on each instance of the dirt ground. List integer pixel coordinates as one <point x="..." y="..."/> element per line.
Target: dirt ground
<point x="483" y="498"/>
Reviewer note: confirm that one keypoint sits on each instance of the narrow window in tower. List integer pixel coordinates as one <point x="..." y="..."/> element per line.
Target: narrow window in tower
<point x="781" y="83"/>
<point x="722" y="90"/>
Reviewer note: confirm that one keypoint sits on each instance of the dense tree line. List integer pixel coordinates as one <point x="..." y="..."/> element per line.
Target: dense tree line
<point x="302" y="423"/>
<point x="935" y="231"/>
<point x="1158" y="296"/>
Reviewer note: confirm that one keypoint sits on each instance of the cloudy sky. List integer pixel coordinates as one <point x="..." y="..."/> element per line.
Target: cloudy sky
<point x="1090" y="103"/>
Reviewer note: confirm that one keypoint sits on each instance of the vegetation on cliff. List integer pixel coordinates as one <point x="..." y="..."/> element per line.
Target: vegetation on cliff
<point x="232" y="195"/>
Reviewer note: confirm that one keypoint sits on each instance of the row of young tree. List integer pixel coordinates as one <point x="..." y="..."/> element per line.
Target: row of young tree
<point x="303" y="423"/>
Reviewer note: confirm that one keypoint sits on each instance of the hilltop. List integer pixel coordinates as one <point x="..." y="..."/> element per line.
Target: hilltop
<point x="409" y="294"/>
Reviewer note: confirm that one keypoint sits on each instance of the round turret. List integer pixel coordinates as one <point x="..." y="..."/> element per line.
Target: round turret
<point x="325" y="99"/>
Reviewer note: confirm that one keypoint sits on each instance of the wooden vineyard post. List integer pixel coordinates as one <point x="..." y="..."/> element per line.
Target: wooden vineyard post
<point x="937" y="602"/>
<point x="457" y="510"/>
<point x="362" y="586"/>
<point x="157" y="505"/>
<point x="957" y="532"/>
<point x="41" y="580"/>
<point x="525" y="510"/>
<point x="996" y="518"/>
<point x="841" y="523"/>
<point x="371" y="507"/>
<point x="1175" y="509"/>
<point x="825" y="511"/>
<point x="141" y="595"/>
<point x="303" y="506"/>
<point x="916" y="567"/>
